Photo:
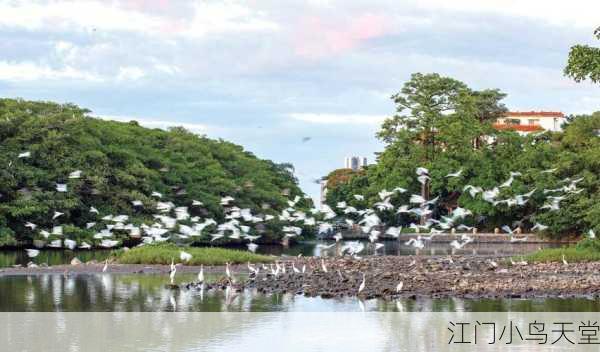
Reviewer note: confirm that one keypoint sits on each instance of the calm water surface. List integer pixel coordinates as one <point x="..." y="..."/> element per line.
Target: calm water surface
<point x="147" y="293"/>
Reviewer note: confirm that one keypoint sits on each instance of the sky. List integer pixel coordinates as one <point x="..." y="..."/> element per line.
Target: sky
<point x="306" y="82"/>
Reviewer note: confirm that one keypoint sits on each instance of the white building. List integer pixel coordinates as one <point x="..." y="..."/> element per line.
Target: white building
<point x="323" y="185"/>
<point x="525" y="122"/>
<point x="355" y="162"/>
<point x="351" y="162"/>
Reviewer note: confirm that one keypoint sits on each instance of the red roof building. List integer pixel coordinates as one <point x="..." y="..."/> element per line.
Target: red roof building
<point x="531" y="121"/>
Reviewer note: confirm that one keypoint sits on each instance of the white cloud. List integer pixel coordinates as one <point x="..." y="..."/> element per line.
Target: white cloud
<point x="83" y="14"/>
<point x="354" y="119"/>
<point x="30" y="71"/>
<point x="225" y="17"/>
<point x="166" y="68"/>
<point x="102" y="16"/>
<point x="581" y="13"/>
<point x="130" y="73"/>
<point x="157" y="123"/>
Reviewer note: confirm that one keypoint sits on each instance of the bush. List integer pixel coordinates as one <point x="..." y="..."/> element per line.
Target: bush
<point x="164" y="253"/>
<point x="589" y="244"/>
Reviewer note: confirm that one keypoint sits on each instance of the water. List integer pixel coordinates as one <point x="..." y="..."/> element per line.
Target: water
<point x="56" y="257"/>
<point x="147" y="293"/>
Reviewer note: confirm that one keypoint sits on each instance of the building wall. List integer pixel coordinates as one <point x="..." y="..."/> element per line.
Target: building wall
<point x="527" y="122"/>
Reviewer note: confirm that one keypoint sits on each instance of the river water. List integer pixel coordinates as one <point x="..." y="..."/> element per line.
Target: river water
<point x="249" y="321"/>
<point x="147" y="293"/>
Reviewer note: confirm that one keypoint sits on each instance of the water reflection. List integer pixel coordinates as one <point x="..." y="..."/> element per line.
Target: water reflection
<point x="146" y="293"/>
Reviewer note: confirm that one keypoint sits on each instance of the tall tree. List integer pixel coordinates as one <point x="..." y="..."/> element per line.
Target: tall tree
<point x="421" y="105"/>
<point x="584" y="62"/>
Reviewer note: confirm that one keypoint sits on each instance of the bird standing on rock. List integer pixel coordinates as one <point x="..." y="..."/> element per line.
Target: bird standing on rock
<point x="201" y="274"/>
<point x="323" y="266"/>
<point x="362" y="285"/>
<point x="172" y="274"/>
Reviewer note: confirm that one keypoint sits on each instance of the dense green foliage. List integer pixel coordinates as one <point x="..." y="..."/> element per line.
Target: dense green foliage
<point x="584" y="62"/>
<point x="164" y="253"/>
<point x="444" y="126"/>
<point x="586" y="250"/>
<point x="120" y="163"/>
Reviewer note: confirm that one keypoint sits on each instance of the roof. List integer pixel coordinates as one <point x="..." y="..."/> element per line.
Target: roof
<point x="522" y="128"/>
<point x="534" y="114"/>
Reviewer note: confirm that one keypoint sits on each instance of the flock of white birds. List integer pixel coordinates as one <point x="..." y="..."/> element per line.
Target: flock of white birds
<point x="174" y="223"/>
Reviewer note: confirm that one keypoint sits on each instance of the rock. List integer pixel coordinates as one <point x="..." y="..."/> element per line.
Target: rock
<point x="75" y="261"/>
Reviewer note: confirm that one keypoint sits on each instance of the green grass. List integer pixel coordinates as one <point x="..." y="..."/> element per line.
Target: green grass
<point x="586" y="250"/>
<point x="164" y="253"/>
<point x="572" y="255"/>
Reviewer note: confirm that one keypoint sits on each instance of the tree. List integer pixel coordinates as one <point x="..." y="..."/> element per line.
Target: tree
<point x="465" y="119"/>
<point x="584" y="62"/>
<point x="420" y="106"/>
<point x="439" y="121"/>
<point x="122" y="162"/>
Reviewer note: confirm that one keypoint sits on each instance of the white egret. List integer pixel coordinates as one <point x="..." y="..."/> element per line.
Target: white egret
<point x="75" y="174"/>
<point x="362" y="285"/>
<point x="323" y="266"/>
<point x="539" y="227"/>
<point x="70" y="244"/>
<point x="32" y="253"/>
<point x="201" y="274"/>
<point x="252" y="269"/>
<point x="185" y="256"/>
<point x="172" y="274"/>
<point x="227" y="271"/>
<point x="455" y="174"/>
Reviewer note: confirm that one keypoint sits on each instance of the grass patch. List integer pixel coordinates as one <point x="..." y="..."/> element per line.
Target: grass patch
<point x="572" y="255"/>
<point x="164" y="253"/>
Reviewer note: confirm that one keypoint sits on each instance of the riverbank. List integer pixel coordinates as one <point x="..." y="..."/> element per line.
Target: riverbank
<point x="434" y="277"/>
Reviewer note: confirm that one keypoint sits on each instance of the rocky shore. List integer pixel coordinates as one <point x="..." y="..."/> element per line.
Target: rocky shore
<point x="437" y="277"/>
<point x="386" y="277"/>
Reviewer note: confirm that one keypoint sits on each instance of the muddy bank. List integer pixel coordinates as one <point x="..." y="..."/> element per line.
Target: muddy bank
<point x="435" y="277"/>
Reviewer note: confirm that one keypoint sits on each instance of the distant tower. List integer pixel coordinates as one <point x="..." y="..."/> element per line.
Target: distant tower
<point x="355" y="162"/>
